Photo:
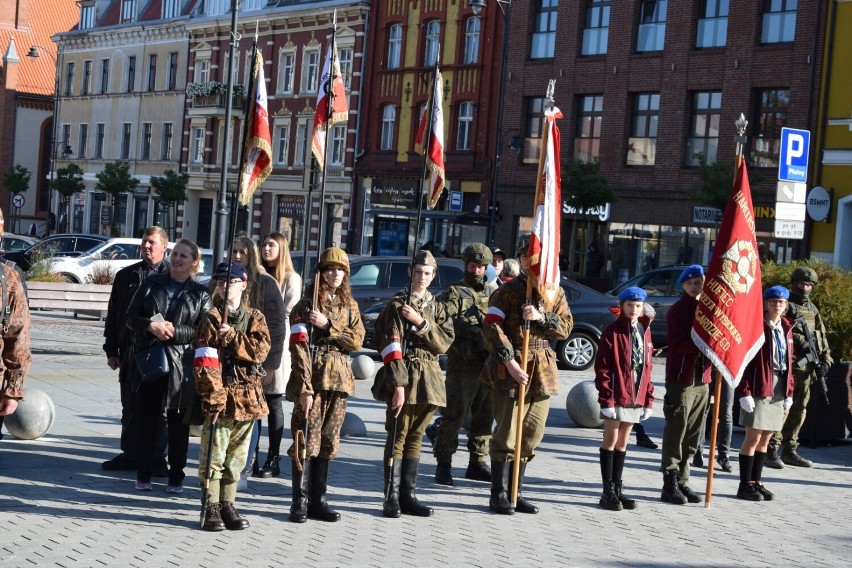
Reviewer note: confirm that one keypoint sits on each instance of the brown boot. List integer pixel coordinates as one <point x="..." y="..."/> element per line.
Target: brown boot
<point x="213" y="518"/>
<point x="232" y="520"/>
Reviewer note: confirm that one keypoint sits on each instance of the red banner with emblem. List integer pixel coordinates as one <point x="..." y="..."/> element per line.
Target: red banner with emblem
<point x="728" y="325"/>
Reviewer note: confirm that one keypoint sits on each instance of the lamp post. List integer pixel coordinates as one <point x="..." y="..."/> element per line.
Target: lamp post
<point x="34" y="52"/>
<point x="477" y="6"/>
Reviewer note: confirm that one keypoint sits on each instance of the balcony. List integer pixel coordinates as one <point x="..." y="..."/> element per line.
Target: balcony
<point x="210" y="99"/>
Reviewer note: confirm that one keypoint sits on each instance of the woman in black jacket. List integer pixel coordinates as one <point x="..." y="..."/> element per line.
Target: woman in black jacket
<point x="167" y="308"/>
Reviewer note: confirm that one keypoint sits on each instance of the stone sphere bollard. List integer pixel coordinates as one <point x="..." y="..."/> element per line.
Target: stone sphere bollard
<point x="353" y="427"/>
<point x="363" y="367"/>
<point x="34" y="416"/>
<point x="582" y="405"/>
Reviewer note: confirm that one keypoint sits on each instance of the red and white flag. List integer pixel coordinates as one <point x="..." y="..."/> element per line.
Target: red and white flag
<point x="728" y="326"/>
<point x="258" y="152"/>
<point x="543" y="250"/>
<point x="435" y="148"/>
<point x="332" y="92"/>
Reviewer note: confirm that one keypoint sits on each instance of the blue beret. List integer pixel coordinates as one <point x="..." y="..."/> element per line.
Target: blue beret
<point x="690" y="272"/>
<point x="633" y="294"/>
<point x="776" y="292"/>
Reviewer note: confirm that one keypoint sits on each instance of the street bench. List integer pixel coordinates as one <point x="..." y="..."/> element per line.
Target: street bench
<point x="85" y="298"/>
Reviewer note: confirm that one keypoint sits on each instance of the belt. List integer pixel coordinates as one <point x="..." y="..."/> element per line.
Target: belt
<point x="539" y="344"/>
<point x="332" y="348"/>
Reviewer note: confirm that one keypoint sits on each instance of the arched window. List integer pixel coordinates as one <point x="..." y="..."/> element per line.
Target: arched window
<point x="394" y="46"/>
<point x="465" y="126"/>
<point x="433" y="42"/>
<point x="471" y="40"/>
<point x="388" y="125"/>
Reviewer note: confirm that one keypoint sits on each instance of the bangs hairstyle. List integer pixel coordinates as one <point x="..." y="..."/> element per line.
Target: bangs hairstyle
<point x="282" y="266"/>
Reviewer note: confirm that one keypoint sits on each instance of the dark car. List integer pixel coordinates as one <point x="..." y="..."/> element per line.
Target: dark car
<point x="592" y="312"/>
<point x="15" y="243"/>
<point x="663" y="291"/>
<point x="71" y="244"/>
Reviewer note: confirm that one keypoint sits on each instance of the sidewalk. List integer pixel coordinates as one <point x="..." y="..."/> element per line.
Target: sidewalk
<point x="59" y="508"/>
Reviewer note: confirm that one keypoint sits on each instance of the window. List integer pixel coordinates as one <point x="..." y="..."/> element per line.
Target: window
<point x="587" y="144"/>
<point x="544" y="30"/>
<point x="704" y="127"/>
<point x="104" y="76"/>
<point x="472" y="29"/>
<point x="66" y="137"/>
<point x="465" y="126"/>
<point x="146" y="141"/>
<point x="152" y="72"/>
<point x="532" y="132"/>
<point x="171" y="8"/>
<point x="388" y="124"/>
<point x="779" y="21"/>
<point x="772" y="116"/>
<point x="166" y="146"/>
<point x="394" y="46"/>
<point x="69" y="78"/>
<point x="87" y="16"/>
<point x="126" y="133"/>
<point x="100" y="131"/>
<point x="128" y="11"/>
<point x="301" y="144"/>
<point x="338" y="145"/>
<point x="310" y="75"/>
<point x="596" y="32"/>
<point x="287" y="70"/>
<point x="713" y="24"/>
<point x="87" y="77"/>
<point x="282" y="145"/>
<point x="216" y="7"/>
<point x="83" y="141"/>
<point x="433" y="42"/>
<point x="171" y="80"/>
<point x="198" y="145"/>
<point x="652" y="25"/>
<point x="642" y="144"/>
<point x="345" y="60"/>
<point x="131" y="73"/>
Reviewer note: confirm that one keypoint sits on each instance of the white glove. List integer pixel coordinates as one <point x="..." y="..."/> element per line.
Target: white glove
<point x="747" y="403"/>
<point x="608" y="412"/>
<point x="788" y="402"/>
<point x="646" y="414"/>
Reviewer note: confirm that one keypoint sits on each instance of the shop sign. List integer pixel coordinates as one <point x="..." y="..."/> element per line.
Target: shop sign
<point x="819" y="204"/>
<point x="706" y="215"/>
<point x="291" y="206"/>
<point x="601" y="211"/>
<point x="396" y="192"/>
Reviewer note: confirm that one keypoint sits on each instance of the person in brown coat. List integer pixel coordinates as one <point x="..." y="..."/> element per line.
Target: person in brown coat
<point x="15" y="338"/>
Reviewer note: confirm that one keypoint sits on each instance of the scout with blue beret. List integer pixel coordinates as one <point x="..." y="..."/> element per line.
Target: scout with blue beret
<point x="690" y="272"/>
<point x="776" y="292"/>
<point x="632" y="294"/>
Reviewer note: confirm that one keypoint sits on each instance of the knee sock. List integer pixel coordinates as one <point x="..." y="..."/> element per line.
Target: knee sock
<point x="757" y="468"/>
<point x="606" y="465"/>
<point x="746" y="466"/>
<point x="618" y="464"/>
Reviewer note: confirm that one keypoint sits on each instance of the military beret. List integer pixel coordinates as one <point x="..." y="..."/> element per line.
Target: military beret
<point x="690" y="272"/>
<point x="776" y="292"/>
<point x="633" y="294"/>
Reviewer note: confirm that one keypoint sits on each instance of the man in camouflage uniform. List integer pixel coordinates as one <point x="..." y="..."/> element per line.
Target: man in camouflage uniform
<point x="466" y="302"/>
<point x="504" y="331"/>
<point x="804" y="372"/>
<point x="14" y="337"/>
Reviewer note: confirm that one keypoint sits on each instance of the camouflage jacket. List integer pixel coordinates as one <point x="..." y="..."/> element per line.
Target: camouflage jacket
<point x="466" y="302"/>
<point x="504" y="331"/>
<point x="800" y="306"/>
<point x="15" y="340"/>
<point x="228" y="373"/>
<point x="418" y="369"/>
<point x="324" y="363"/>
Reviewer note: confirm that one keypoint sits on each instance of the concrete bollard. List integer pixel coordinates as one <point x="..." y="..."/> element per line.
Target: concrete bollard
<point x="582" y="405"/>
<point x="34" y="416"/>
<point x="363" y="367"/>
<point x="353" y="427"/>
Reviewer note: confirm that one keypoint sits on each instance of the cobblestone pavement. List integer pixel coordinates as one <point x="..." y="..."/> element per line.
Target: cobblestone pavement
<point x="59" y="508"/>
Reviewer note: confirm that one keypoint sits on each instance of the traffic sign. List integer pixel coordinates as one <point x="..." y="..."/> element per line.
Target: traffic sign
<point x="790" y="192"/>
<point x="793" y="156"/>
<point x="19" y="200"/>
<point x="790" y="211"/>
<point x="456" y="200"/>
<point x="789" y="229"/>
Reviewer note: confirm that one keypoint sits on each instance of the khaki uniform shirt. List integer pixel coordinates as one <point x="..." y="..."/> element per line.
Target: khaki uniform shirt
<point x="15" y="339"/>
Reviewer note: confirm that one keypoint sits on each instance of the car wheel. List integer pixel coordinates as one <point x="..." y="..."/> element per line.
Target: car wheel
<point x="578" y="351"/>
<point x="70" y="278"/>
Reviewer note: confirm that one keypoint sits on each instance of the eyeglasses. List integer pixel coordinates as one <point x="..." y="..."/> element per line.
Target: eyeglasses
<point x="222" y="282"/>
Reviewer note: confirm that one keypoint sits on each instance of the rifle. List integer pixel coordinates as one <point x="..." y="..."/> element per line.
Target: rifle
<point x="812" y="357"/>
<point x="205" y="489"/>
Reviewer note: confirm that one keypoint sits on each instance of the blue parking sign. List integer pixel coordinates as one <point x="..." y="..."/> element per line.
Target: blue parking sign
<point x="793" y="157"/>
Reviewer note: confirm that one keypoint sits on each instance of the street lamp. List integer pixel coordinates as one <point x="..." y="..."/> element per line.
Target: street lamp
<point x="35" y="52"/>
<point x="477" y="6"/>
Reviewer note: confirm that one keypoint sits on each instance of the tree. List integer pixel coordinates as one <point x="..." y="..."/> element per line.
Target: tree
<point x="585" y="188"/>
<point x="114" y="180"/>
<point x="68" y="181"/>
<point x="171" y="189"/>
<point x="717" y="181"/>
<point x="16" y="180"/>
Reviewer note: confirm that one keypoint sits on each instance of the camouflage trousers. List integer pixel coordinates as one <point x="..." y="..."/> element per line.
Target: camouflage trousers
<point x="464" y="392"/>
<point x="535" y="409"/>
<point x="794" y="418"/>
<point x="405" y="432"/>
<point x="324" y="423"/>
<point x="684" y="407"/>
<point x="230" y="448"/>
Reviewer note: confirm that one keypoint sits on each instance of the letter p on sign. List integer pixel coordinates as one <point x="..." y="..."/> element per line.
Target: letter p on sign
<point x="793" y="161"/>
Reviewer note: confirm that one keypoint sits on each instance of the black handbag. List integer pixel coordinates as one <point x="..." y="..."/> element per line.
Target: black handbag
<point x="152" y="363"/>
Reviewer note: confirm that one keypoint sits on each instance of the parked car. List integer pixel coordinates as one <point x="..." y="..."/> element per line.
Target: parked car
<point x="592" y="311"/>
<point x="70" y="244"/>
<point x="663" y="291"/>
<point x="114" y="254"/>
<point x="16" y="243"/>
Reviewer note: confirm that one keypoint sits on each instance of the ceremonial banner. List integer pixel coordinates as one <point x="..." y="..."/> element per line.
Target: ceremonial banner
<point x="331" y="92"/>
<point x="728" y="326"/>
<point x="258" y="153"/>
<point x="544" y="241"/>
<point x="435" y="147"/>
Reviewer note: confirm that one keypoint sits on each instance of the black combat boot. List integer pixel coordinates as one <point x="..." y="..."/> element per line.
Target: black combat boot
<point x="757" y="475"/>
<point x="499" y="502"/>
<point x="408" y="502"/>
<point x="391" y="508"/>
<point x="318" y="506"/>
<point x="522" y="505"/>
<point x="617" y="470"/>
<point x="792" y="457"/>
<point x="643" y="440"/>
<point x="270" y="469"/>
<point x="772" y="459"/>
<point x="477" y="470"/>
<point x="671" y="492"/>
<point x="444" y="473"/>
<point x="213" y="518"/>
<point x="609" y="498"/>
<point x="301" y="490"/>
<point x="724" y="463"/>
<point x="690" y="495"/>
<point x="233" y="521"/>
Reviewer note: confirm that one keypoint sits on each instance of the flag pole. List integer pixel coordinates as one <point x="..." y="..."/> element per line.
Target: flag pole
<point x="522" y="389"/>
<point x="740" y="139"/>
<point x="328" y="126"/>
